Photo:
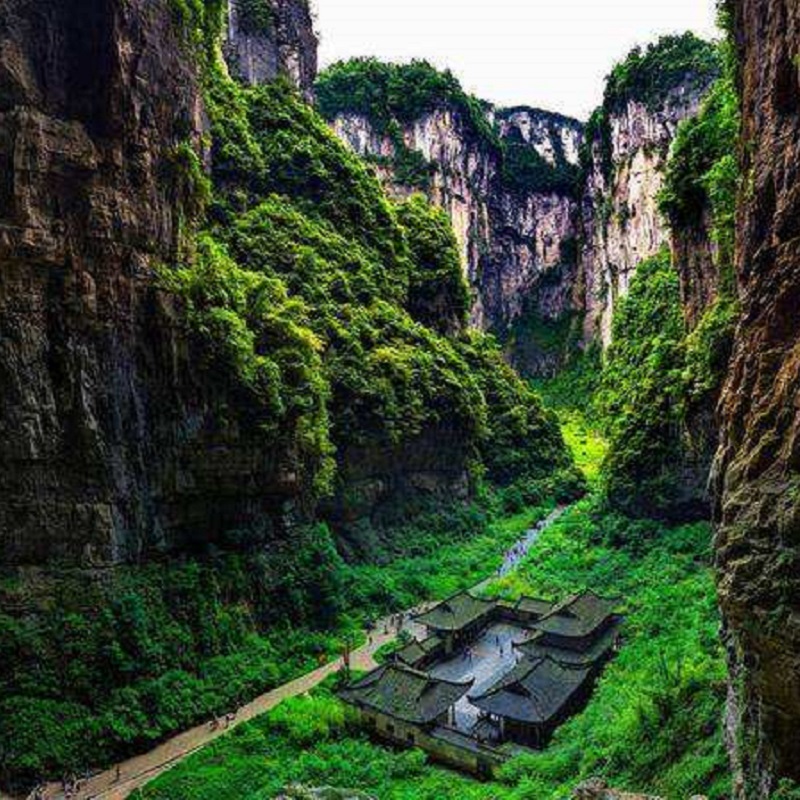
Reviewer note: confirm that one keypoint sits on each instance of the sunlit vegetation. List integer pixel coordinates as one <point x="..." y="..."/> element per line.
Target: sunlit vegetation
<point x="402" y="93"/>
<point x="654" y="724"/>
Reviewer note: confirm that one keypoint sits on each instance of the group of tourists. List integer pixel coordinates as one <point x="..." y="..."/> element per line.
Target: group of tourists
<point x="222" y="722"/>
<point x="512" y="558"/>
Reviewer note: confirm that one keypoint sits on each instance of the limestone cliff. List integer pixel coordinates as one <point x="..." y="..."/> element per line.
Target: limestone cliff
<point x="538" y="248"/>
<point x="757" y="473"/>
<point x="620" y="220"/>
<point x="510" y="235"/>
<point x="109" y="443"/>
<point x="460" y="172"/>
<point x="268" y="38"/>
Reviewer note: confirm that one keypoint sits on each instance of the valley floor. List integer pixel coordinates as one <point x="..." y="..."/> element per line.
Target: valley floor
<point x="118" y="783"/>
<point x="653" y="725"/>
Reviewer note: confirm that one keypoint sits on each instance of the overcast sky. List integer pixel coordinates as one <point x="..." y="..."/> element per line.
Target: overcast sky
<point x="548" y="53"/>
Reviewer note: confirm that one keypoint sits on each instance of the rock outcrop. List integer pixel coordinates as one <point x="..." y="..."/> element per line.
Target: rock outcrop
<point x="621" y="223"/>
<point x="757" y="473"/>
<point x="510" y="238"/>
<point x="268" y="38"/>
<point x="111" y="441"/>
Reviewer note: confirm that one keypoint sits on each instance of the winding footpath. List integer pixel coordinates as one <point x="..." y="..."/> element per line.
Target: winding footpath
<point x="140" y="770"/>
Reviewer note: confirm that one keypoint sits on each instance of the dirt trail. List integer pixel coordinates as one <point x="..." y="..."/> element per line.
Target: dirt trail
<point x="136" y="772"/>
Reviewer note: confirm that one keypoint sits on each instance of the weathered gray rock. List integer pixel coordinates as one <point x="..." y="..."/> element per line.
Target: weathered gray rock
<point x="757" y="472"/>
<point x="111" y="440"/>
<point x="286" y="45"/>
<point x="510" y="242"/>
<point x="621" y="224"/>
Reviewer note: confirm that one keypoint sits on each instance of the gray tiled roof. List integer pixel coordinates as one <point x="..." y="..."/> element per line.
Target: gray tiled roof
<point x="534" y="691"/>
<point x="418" y="649"/>
<point x="534" y="648"/>
<point x="533" y="605"/>
<point x="578" y="616"/>
<point x="456" y="612"/>
<point x="404" y="693"/>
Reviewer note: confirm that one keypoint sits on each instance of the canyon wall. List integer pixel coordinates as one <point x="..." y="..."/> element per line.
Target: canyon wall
<point x="757" y="471"/>
<point x="267" y="39"/>
<point x="510" y="237"/>
<point x="620" y="220"/>
<point x="111" y="443"/>
<point x="552" y="219"/>
<point x="122" y="436"/>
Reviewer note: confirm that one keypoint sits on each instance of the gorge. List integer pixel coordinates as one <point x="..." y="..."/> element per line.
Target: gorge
<point x="283" y="352"/>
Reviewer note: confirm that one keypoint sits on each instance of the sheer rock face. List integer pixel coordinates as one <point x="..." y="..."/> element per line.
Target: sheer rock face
<point x="546" y="132"/>
<point x="620" y="221"/>
<point x="109" y="444"/>
<point x="757" y="472"/>
<point x="286" y="46"/>
<point x="117" y="441"/>
<point x="695" y="254"/>
<point x="510" y="242"/>
<point x="514" y="243"/>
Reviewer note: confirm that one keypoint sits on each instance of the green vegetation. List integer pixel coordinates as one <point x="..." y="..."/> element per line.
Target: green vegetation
<point x="641" y="390"/>
<point x="255" y="16"/>
<point x="294" y="209"/>
<point x="654" y="724"/>
<point x="525" y="171"/>
<point x="392" y="96"/>
<point x="115" y="667"/>
<point x="313" y="302"/>
<point x="400" y="93"/>
<point x="111" y="667"/>
<point x="649" y="75"/>
<point x="438" y="295"/>
<point x="571" y="395"/>
<point x="702" y="173"/>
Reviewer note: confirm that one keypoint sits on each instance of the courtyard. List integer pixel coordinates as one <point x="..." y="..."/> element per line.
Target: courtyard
<point x="488" y="658"/>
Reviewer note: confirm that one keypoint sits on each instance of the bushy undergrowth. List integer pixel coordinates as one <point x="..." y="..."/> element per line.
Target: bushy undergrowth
<point x="702" y="174"/>
<point x="116" y="666"/>
<point x="363" y="281"/>
<point x="654" y="724"/>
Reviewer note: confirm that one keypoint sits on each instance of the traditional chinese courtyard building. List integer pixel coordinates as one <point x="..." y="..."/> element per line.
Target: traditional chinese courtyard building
<point x="397" y="701"/>
<point x="563" y="647"/>
<point x="531" y="609"/>
<point x="421" y="653"/>
<point x="458" y="619"/>
<point x="408" y="707"/>
<point x="578" y="622"/>
<point x="534" y="698"/>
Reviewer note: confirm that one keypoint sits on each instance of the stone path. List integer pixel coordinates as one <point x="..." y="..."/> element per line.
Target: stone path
<point x="137" y="771"/>
<point x="487" y="664"/>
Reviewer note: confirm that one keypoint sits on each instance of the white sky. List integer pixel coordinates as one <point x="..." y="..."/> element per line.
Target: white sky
<point x="548" y="53"/>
